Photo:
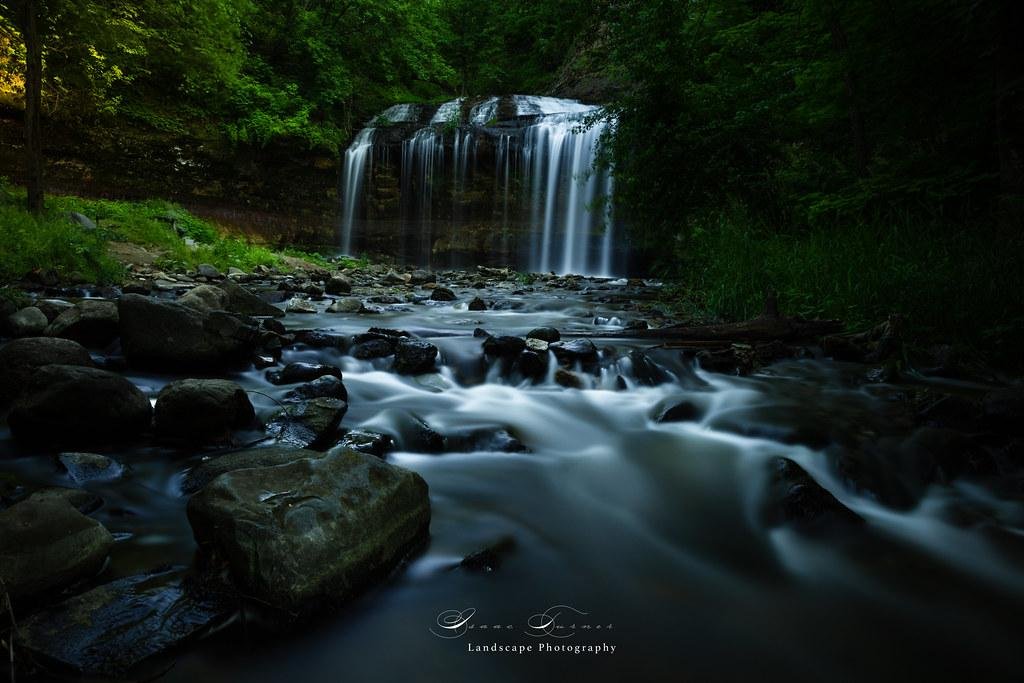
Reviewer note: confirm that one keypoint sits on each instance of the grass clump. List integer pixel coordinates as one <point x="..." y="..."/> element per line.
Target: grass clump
<point x="949" y="283"/>
<point x="182" y="240"/>
<point x="52" y="243"/>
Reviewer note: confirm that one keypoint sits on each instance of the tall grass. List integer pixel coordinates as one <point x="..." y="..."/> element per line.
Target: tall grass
<point x="949" y="283"/>
<point x="52" y="243"/>
<point x="182" y="240"/>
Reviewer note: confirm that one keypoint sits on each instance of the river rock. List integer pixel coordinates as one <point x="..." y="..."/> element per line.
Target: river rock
<point x="374" y="348"/>
<point x="51" y="308"/>
<point x="442" y="294"/>
<point x="169" y="335"/>
<point x="795" y="498"/>
<point x="536" y="345"/>
<point x="338" y="284"/>
<point x="532" y="364"/>
<point x="86" y="467"/>
<point x="327" y="386"/>
<point x="91" y="322"/>
<point x="414" y="356"/>
<point x="207" y="471"/>
<point x="84" y="501"/>
<point x="28" y="322"/>
<point x="503" y="347"/>
<point x="202" y="410"/>
<point x="68" y="404"/>
<point x="477" y="304"/>
<point x="574" y="351"/>
<point x="304" y="306"/>
<point x="309" y="424"/>
<point x="645" y="371"/>
<point x="678" y="411"/>
<point x="314" y="530"/>
<point x="113" y="628"/>
<point x="205" y="298"/>
<point x="421" y="277"/>
<point x="243" y="302"/>
<point x="346" y="306"/>
<point x="493" y="439"/>
<point x="293" y="373"/>
<point x="208" y="271"/>
<point x="48" y="544"/>
<point x="373" y="443"/>
<point x="567" y="379"/>
<point x="548" y="334"/>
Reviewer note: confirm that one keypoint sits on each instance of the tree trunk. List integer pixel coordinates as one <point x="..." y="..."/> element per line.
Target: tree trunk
<point x="33" y="103"/>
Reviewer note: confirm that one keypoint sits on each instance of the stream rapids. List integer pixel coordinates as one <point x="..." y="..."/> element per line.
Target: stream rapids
<point x="649" y="535"/>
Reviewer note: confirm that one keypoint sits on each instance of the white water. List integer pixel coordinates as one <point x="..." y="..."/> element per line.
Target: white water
<point x="352" y="183"/>
<point x="562" y="200"/>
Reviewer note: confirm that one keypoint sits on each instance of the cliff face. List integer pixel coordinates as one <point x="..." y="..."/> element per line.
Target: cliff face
<point x="494" y="180"/>
<point x="280" y="193"/>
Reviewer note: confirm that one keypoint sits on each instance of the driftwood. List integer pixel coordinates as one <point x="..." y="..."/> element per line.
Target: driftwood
<point x="767" y="327"/>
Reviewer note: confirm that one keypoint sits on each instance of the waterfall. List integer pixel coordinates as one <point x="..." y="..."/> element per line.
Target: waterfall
<point x="353" y="173"/>
<point x="561" y="154"/>
<point x="527" y="185"/>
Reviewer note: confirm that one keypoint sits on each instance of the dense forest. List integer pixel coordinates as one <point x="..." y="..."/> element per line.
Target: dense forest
<point x="858" y="156"/>
<point x="511" y="340"/>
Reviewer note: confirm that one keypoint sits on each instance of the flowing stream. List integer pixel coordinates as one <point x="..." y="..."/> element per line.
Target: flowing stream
<point x="651" y="528"/>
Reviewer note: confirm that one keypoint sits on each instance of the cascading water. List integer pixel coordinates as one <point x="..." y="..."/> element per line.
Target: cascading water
<point x="512" y="178"/>
<point x="352" y="183"/>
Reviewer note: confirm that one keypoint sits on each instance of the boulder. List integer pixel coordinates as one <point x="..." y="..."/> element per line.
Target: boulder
<point x="327" y="386"/>
<point x="548" y="334"/>
<point x="536" y="345"/>
<point x="477" y="304"/>
<point x="72" y="405"/>
<point x="86" y="467"/>
<point x="202" y="410"/>
<point x="678" y="411"/>
<point x="645" y="371"/>
<point x="346" y="306"/>
<point x="297" y="305"/>
<point x="243" y="302"/>
<point x="20" y="358"/>
<point x="51" y="308"/>
<point x="84" y="501"/>
<point x="309" y="424"/>
<point x="442" y="294"/>
<point x="313" y="531"/>
<point x="567" y="379"/>
<point x="293" y="373"/>
<point x="373" y="443"/>
<point x="374" y="348"/>
<point x="574" y="351"/>
<point x="414" y="356"/>
<point x="169" y="335"/>
<point x="504" y="347"/>
<point x="205" y="298"/>
<point x="92" y="322"/>
<point x="207" y="471"/>
<point x="208" y="271"/>
<point x="28" y="322"/>
<point x="48" y="544"/>
<point x="111" y="629"/>
<point x="338" y="284"/>
<point x="320" y="339"/>
<point x="796" y="499"/>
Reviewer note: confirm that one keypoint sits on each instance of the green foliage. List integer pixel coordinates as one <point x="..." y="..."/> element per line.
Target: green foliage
<point x="509" y="46"/>
<point x="949" y="284"/>
<point x="52" y="243"/>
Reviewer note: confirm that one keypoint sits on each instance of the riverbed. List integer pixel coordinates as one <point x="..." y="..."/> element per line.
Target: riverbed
<point x="631" y="548"/>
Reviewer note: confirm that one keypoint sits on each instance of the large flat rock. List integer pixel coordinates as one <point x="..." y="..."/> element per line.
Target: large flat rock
<point x="313" y="530"/>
